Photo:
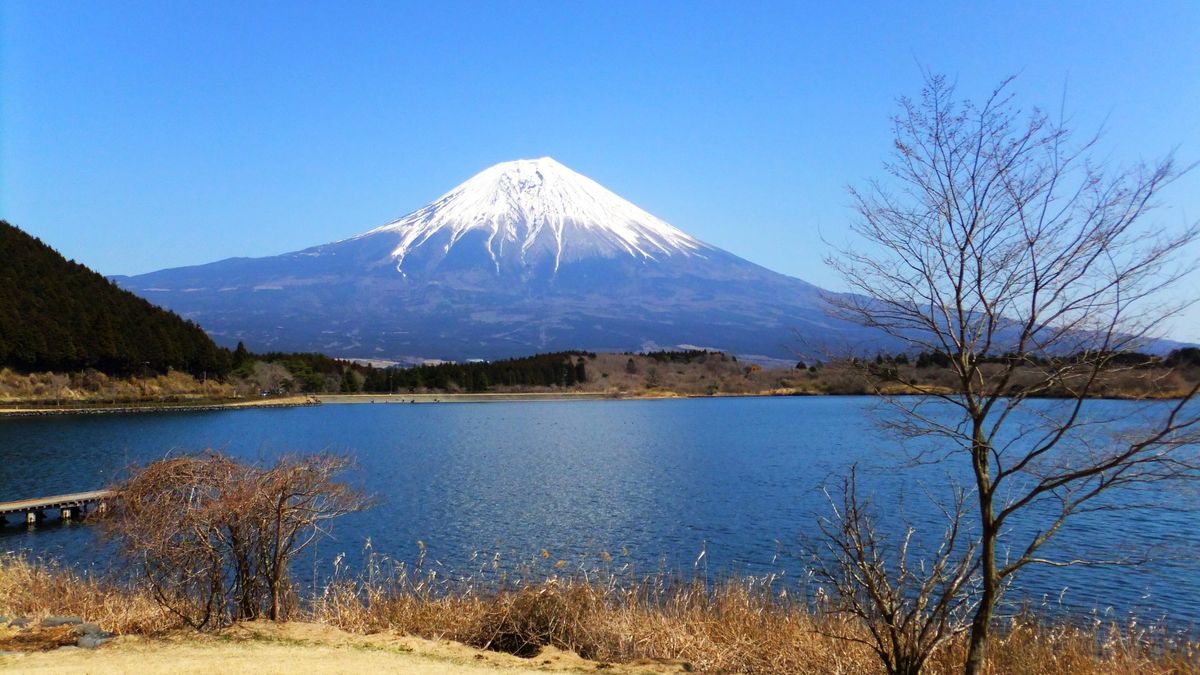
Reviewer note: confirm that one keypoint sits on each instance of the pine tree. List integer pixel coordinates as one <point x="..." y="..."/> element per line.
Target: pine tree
<point x="241" y="356"/>
<point x="56" y="314"/>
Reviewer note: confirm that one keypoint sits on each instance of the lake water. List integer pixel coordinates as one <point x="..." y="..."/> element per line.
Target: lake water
<point x="654" y="483"/>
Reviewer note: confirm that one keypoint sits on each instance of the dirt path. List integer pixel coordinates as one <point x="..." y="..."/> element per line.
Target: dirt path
<point x="264" y="649"/>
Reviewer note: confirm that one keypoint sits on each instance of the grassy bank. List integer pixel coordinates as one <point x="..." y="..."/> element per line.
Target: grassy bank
<point x="744" y="625"/>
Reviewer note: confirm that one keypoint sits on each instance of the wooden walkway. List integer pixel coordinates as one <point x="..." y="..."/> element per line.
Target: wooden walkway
<point x="67" y="505"/>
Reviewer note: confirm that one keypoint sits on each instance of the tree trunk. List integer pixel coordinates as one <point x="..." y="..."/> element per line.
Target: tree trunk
<point x="982" y="623"/>
<point x="278" y="565"/>
<point x="274" y="602"/>
<point x="980" y="632"/>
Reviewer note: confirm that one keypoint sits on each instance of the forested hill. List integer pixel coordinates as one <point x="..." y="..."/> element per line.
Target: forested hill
<point x="56" y="314"/>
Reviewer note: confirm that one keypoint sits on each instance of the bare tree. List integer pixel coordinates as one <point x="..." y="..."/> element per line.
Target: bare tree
<point x="909" y="610"/>
<point x="215" y="538"/>
<point x="294" y="501"/>
<point x="997" y="243"/>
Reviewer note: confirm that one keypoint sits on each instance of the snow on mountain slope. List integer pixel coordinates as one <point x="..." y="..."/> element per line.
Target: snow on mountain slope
<point x="525" y="256"/>
<point x="537" y="207"/>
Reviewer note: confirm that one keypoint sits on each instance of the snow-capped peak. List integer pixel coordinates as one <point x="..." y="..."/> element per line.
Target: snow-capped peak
<point x="538" y="206"/>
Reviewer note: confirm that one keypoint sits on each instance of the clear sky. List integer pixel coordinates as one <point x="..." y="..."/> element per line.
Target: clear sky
<point x="137" y="136"/>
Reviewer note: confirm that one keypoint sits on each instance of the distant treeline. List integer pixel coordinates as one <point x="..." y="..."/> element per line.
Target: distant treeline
<point x="560" y="369"/>
<point x="316" y="373"/>
<point x="1184" y="357"/>
<point x="58" y="315"/>
<point x="682" y="356"/>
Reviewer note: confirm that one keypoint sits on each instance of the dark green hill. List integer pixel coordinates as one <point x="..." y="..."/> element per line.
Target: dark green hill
<point x="56" y="314"/>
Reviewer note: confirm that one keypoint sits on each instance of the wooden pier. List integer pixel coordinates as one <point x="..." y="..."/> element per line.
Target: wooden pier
<point x="72" y="506"/>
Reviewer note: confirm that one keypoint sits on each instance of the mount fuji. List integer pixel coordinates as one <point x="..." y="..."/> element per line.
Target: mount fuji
<point x="525" y="256"/>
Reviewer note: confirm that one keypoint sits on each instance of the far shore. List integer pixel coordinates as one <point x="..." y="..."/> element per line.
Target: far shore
<point x="653" y="395"/>
<point x="481" y="397"/>
<point x="499" y="397"/>
<point x="16" y="409"/>
<point x="9" y="409"/>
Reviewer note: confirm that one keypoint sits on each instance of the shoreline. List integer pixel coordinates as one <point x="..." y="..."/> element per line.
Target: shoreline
<point x="503" y="397"/>
<point x="305" y="400"/>
<point x="481" y="397"/>
<point x="8" y="410"/>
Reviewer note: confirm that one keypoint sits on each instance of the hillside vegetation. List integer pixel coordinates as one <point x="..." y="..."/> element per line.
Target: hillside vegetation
<point x="656" y="374"/>
<point x="58" y="315"/>
<point x="692" y="373"/>
<point x="91" y="387"/>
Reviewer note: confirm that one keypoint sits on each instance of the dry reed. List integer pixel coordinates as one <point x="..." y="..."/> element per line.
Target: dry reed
<point x="742" y="625"/>
<point x="42" y="588"/>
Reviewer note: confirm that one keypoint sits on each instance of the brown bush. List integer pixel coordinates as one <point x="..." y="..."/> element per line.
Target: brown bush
<point x="524" y="621"/>
<point x="214" y="538"/>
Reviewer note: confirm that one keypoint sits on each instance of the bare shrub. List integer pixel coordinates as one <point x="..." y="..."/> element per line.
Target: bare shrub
<point x="214" y="538"/>
<point x="272" y="377"/>
<point x="909" y="610"/>
<point x="524" y="621"/>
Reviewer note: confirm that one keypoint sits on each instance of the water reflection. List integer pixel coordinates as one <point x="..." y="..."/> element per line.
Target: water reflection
<point x="659" y="479"/>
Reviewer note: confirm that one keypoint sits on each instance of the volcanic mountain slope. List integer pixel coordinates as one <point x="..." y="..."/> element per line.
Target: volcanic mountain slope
<point x="526" y="256"/>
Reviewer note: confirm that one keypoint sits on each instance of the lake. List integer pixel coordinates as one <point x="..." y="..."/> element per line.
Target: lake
<point x="653" y="483"/>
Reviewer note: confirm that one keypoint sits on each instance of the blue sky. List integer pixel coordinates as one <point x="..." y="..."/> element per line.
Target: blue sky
<point x="137" y="136"/>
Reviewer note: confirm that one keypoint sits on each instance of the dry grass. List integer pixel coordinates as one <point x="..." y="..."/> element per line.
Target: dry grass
<point x="747" y="625"/>
<point x="1030" y="646"/>
<point x="38" y="589"/>
<point x="91" y="386"/>
<point x="734" y="628"/>
<point x="743" y="625"/>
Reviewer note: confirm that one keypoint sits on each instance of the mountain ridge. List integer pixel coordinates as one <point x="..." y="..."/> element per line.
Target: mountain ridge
<point x="524" y="256"/>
